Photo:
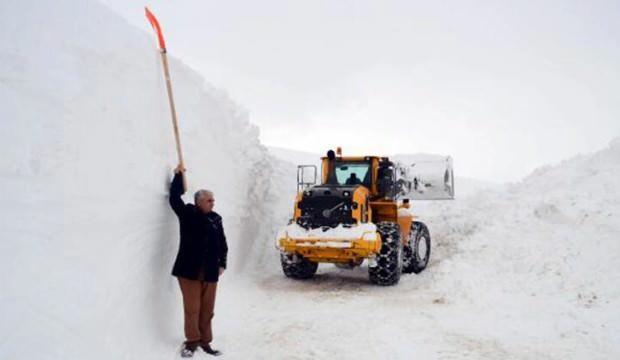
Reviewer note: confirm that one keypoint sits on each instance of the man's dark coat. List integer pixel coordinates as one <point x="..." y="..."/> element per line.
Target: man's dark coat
<point x="203" y="243"/>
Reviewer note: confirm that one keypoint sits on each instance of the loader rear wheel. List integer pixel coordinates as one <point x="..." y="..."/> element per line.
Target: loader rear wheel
<point x="389" y="260"/>
<point x="297" y="267"/>
<point x="418" y="250"/>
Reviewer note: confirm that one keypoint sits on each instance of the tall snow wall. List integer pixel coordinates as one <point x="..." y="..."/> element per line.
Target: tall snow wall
<point x="87" y="236"/>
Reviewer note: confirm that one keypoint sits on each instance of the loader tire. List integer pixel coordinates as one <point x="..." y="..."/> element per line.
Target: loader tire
<point x="389" y="260"/>
<point x="297" y="267"/>
<point x="418" y="250"/>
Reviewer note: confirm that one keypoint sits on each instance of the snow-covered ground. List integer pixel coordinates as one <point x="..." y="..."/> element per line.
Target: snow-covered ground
<point x="521" y="271"/>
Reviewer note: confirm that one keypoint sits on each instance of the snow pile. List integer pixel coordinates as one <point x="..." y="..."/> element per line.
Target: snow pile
<point x="88" y="239"/>
<point x="540" y="258"/>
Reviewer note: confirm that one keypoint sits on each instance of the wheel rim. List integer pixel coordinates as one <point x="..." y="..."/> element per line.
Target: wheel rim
<point x="422" y="253"/>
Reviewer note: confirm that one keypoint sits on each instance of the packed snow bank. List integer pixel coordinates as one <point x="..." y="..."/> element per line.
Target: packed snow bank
<point x="88" y="239"/>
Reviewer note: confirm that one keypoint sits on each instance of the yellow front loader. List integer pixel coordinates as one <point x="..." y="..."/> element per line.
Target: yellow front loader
<point x="360" y="211"/>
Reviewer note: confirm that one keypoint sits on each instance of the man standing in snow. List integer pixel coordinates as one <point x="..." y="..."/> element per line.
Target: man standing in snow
<point x="199" y="263"/>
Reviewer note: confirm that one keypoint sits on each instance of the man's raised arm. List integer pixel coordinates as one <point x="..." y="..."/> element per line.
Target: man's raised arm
<point x="176" y="190"/>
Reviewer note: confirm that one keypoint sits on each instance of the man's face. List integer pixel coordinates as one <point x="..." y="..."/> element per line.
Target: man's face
<point x="206" y="203"/>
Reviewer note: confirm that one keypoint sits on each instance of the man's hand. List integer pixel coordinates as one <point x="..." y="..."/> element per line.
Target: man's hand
<point x="221" y="270"/>
<point x="179" y="168"/>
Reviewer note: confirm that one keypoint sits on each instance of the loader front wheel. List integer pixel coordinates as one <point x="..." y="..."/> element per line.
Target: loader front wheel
<point x="418" y="250"/>
<point x="389" y="261"/>
<point x="297" y="267"/>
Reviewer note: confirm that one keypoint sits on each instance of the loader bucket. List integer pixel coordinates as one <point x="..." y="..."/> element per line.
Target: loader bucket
<point x="425" y="179"/>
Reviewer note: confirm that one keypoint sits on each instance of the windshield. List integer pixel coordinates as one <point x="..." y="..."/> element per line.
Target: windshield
<point x="352" y="173"/>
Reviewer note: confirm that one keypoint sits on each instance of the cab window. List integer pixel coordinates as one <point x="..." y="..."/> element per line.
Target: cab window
<point x="352" y="173"/>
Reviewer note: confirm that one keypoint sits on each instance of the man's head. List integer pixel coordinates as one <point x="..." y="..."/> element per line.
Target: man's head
<point x="204" y="200"/>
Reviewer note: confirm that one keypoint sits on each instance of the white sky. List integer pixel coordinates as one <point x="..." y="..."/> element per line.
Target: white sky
<point x="503" y="87"/>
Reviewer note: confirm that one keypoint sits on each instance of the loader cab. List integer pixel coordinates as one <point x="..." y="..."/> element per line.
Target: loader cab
<point x="346" y="173"/>
<point x="373" y="172"/>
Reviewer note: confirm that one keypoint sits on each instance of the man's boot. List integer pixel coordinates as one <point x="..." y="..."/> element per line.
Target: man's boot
<point x="189" y="348"/>
<point x="207" y="348"/>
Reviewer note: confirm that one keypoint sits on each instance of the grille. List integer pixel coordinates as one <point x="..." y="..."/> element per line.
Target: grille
<point x="326" y="208"/>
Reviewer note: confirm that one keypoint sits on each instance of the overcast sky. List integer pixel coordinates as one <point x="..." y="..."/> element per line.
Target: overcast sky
<point x="503" y="87"/>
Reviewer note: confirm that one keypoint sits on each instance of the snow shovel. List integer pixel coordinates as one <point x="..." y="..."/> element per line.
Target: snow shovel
<point x="164" y="58"/>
